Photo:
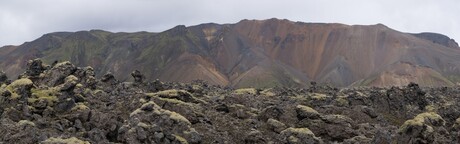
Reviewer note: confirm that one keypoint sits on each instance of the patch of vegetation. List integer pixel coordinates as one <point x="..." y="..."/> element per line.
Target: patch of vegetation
<point x="318" y="96"/>
<point x="143" y="125"/>
<point x="341" y="101"/>
<point x="136" y="112"/>
<point x="267" y="92"/>
<point x="169" y="93"/>
<point x="72" y="140"/>
<point x="298" y="132"/>
<point x="307" y="109"/>
<point x="249" y="91"/>
<point x="422" y="119"/>
<point x="430" y="108"/>
<point x="181" y="140"/>
<point x="26" y="122"/>
<point x="49" y="95"/>
<point x="80" y="106"/>
<point x="12" y="88"/>
<point x="71" y="78"/>
<point x="177" y="117"/>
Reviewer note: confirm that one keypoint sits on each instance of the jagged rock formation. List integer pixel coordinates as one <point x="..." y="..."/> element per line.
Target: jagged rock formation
<point x="254" y="53"/>
<point x="63" y="103"/>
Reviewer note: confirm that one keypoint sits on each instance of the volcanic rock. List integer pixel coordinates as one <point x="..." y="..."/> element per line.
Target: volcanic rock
<point x="66" y="104"/>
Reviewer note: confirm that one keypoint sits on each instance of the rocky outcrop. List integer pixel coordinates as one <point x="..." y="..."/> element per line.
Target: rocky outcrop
<point x="63" y="103"/>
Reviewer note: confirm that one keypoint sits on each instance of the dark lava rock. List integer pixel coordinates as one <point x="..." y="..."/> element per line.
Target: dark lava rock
<point x="108" y="77"/>
<point x="138" y="77"/>
<point x="63" y="103"/>
<point x="3" y="77"/>
<point x="35" y="68"/>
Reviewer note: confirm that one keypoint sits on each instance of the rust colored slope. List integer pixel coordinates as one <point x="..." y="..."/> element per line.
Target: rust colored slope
<point x="401" y="74"/>
<point x="189" y="67"/>
<point x="313" y="49"/>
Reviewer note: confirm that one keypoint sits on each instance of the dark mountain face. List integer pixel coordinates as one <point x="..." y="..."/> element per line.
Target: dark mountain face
<point x="438" y="39"/>
<point x="257" y="53"/>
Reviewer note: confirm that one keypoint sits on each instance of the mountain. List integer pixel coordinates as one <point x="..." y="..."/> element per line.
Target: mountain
<point x="254" y="53"/>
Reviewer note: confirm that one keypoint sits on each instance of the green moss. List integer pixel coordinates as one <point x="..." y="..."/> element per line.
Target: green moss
<point x="173" y="101"/>
<point x="421" y="119"/>
<point x="307" y="109"/>
<point x="341" y="101"/>
<point x="267" y="92"/>
<point x="169" y="93"/>
<point x="250" y="91"/>
<point x="95" y="92"/>
<point x="71" y="78"/>
<point x="142" y="100"/>
<point x="299" y="132"/>
<point x="80" y="106"/>
<point x="72" y="140"/>
<point x="136" y="112"/>
<point x="318" y="96"/>
<point x="49" y="95"/>
<point x="293" y="139"/>
<point x="430" y="108"/>
<point x="16" y="84"/>
<point x="31" y="108"/>
<point x="181" y="140"/>
<point x="79" y="85"/>
<point x="153" y="104"/>
<point x="21" y="82"/>
<point x="177" y="117"/>
<point x="26" y="122"/>
<point x="456" y="125"/>
<point x="143" y="125"/>
<point x="44" y="92"/>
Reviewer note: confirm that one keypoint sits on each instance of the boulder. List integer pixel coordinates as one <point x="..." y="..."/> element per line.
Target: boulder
<point x="306" y="112"/>
<point x="299" y="136"/>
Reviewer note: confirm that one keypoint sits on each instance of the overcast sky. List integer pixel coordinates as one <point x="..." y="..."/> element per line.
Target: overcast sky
<point x="26" y="20"/>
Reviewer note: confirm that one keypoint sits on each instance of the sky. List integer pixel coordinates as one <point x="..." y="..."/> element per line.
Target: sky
<point x="26" y="20"/>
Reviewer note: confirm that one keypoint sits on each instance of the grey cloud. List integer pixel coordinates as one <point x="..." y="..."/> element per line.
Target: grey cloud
<point x="26" y="20"/>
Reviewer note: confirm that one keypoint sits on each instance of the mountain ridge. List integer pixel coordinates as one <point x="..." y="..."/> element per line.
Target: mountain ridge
<point x="258" y="53"/>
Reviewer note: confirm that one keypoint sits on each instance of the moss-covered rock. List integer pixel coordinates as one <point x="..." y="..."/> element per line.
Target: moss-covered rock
<point x="49" y="96"/>
<point x="306" y="112"/>
<point x="19" y="86"/>
<point x="268" y="92"/>
<point x="80" y="107"/>
<point x="276" y="125"/>
<point x="420" y="129"/>
<point x="71" y="140"/>
<point x="300" y="135"/>
<point x="174" y="94"/>
<point x="26" y="123"/>
<point x="457" y="124"/>
<point x="248" y="91"/>
<point x="427" y="118"/>
<point x="318" y="96"/>
<point x="180" y="139"/>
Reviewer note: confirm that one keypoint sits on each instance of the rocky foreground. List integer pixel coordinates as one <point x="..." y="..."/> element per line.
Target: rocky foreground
<point x="62" y="103"/>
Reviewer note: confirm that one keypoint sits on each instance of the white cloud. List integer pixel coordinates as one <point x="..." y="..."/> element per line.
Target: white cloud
<point x="26" y="20"/>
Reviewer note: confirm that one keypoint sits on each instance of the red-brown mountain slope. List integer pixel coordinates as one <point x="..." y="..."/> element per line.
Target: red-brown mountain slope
<point x="255" y="53"/>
